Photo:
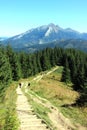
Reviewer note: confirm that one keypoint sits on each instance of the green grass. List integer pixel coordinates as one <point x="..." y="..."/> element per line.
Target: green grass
<point x="76" y="114"/>
<point x="58" y="71"/>
<point x="41" y="111"/>
<point x="59" y="94"/>
<point x="8" y="116"/>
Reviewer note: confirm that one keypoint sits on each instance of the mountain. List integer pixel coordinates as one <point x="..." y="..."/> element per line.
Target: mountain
<point x="71" y="43"/>
<point x="43" y="35"/>
<point x="3" y="38"/>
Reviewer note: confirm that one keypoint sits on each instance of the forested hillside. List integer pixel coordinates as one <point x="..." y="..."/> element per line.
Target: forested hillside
<point x="14" y="66"/>
<point x="17" y="65"/>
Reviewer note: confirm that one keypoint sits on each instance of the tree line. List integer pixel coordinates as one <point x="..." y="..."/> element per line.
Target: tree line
<point x="75" y="71"/>
<point x="16" y="65"/>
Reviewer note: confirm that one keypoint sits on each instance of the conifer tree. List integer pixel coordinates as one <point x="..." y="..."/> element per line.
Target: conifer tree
<point x="38" y="56"/>
<point x="29" y="65"/>
<point x="82" y="100"/>
<point x="56" y="55"/>
<point x="79" y="82"/>
<point x="5" y="72"/>
<point x="14" y="63"/>
<point x="52" y="59"/>
<point x="34" y="63"/>
<point x="23" y="64"/>
<point x="45" y="61"/>
<point x="66" y="73"/>
<point x="16" y="70"/>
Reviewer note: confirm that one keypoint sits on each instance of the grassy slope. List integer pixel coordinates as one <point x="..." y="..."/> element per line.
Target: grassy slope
<point x="8" y="117"/>
<point x="60" y="94"/>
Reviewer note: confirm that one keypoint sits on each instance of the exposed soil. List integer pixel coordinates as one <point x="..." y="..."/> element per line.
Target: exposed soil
<point x="59" y="121"/>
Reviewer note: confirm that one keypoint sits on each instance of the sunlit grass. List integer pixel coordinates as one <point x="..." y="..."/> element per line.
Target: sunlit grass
<point x="8" y="116"/>
<point x="61" y="95"/>
<point x="41" y="112"/>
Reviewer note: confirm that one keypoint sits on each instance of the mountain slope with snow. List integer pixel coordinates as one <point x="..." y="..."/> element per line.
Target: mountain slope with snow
<point x="44" y="35"/>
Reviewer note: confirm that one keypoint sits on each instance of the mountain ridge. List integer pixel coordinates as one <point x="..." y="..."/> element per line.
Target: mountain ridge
<point x="43" y="35"/>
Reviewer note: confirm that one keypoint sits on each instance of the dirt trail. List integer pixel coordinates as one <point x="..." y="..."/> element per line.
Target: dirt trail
<point x="39" y="77"/>
<point x="28" y="120"/>
<point x="60" y="122"/>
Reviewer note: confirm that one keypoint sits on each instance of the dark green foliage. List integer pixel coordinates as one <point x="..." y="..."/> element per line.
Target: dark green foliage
<point x="77" y="64"/>
<point x="16" y="72"/>
<point x="34" y="65"/>
<point x="22" y="65"/>
<point x="38" y="57"/>
<point x="14" y="63"/>
<point x="5" y="72"/>
<point x="80" y="78"/>
<point x="52" y="58"/>
<point x="45" y="61"/>
<point x="82" y="100"/>
<point x="29" y="66"/>
<point x="66" y="73"/>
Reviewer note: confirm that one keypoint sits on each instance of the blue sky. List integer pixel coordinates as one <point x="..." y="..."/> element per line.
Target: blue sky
<point x="17" y="16"/>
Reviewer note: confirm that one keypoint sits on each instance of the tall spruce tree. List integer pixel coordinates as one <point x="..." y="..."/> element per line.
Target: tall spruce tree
<point x="14" y="63"/>
<point x="79" y="82"/>
<point x="29" y="65"/>
<point x="5" y="73"/>
<point x="52" y="59"/>
<point x="45" y="62"/>
<point x="82" y="100"/>
<point x="38" y="56"/>
<point x="34" y="63"/>
<point x="66" y="73"/>
<point x="23" y="64"/>
<point x="16" y="69"/>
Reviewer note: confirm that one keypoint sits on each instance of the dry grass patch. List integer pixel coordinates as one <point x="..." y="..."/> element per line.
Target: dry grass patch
<point x="52" y="89"/>
<point x="61" y="95"/>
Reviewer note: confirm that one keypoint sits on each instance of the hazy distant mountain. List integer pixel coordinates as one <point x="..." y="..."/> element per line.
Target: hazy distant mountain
<point x="3" y="38"/>
<point x="76" y="44"/>
<point x="44" y="35"/>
